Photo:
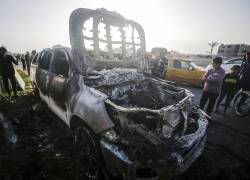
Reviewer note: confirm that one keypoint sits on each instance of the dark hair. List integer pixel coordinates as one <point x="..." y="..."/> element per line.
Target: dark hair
<point x="3" y="49"/>
<point x="217" y="60"/>
<point x="248" y="53"/>
<point x="236" y="68"/>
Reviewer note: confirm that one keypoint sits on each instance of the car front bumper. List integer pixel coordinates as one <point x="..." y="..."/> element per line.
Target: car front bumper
<point x="186" y="150"/>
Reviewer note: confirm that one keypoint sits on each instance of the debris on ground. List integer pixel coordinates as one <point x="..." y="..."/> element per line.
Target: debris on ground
<point x="44" y="150"/>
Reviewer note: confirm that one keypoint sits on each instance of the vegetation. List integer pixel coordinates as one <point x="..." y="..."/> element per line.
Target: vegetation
<point x="27" y="81"/>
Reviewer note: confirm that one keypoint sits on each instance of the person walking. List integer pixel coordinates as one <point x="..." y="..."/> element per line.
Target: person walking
<point x="229" y="87"/>
<point x="22" y="58"/>
<point x="212" y="80"/>
<point x="7" y="70"/>
<point x="33" y="53"/>
<point x="27" y="61"/>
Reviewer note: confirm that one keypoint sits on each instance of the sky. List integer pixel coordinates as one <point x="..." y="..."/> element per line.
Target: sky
<point x="186" y="26"/>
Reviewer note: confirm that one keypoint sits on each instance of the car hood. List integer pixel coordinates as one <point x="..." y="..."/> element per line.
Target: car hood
<point x="148" y="114"/>
<point x="139" y="97"/>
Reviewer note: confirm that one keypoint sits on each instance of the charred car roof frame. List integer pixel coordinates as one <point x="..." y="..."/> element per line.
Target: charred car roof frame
<point x="77" y="38"/>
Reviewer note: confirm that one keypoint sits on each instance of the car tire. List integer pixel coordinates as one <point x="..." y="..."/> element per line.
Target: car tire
<point x="87" y="153"/>
<point x="237" y="108"/>
<point x="35" y="90"/>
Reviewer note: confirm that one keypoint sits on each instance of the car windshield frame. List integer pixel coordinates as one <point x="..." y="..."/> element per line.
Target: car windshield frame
<point x="195" y="66"/>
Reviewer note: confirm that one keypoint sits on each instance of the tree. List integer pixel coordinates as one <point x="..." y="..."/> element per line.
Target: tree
<point x="212" y="45"/>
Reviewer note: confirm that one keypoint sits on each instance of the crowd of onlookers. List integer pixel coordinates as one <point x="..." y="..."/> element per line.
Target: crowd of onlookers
<point x="218" y="85"/>
<point x="25" y="59"/>
<point x="7" y="70"/>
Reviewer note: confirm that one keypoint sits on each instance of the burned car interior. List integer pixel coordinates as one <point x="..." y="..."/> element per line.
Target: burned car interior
<point x="145" y="125"/>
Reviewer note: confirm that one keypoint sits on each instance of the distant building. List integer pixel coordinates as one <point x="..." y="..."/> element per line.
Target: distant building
<point x="243" y="50"/>
<point x="233" y="50"/>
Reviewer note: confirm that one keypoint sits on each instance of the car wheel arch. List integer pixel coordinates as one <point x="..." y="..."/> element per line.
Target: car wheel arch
<point x="76" y="123"/>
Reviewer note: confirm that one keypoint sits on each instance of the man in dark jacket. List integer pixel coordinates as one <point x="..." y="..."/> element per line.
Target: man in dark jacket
<point x="245" y="73"/>
<point x="229" y="87"/>
<point x="7" y="70"/>
<point x="27" y="61"/>
<point x="244" y="82"/>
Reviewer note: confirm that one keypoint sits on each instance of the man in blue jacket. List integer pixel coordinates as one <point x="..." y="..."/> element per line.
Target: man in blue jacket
<point x="7" y="70"/>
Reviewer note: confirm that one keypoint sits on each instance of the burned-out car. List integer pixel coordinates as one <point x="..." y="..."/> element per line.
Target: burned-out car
<point x="128" y="122"/>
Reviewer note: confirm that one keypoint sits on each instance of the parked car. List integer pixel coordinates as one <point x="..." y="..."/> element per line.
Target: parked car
<point x="228" y="64"/>
<point x="124" y="120"/>
<point x="184" y="71"/>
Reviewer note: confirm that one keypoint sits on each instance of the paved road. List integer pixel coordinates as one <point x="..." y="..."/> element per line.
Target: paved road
<point x="227" y="152"/>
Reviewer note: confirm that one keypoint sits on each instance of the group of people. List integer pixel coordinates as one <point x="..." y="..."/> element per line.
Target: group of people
<point x="7" y="70"/>
<point x="26" y="60"/>
<point x="217" y="85"/>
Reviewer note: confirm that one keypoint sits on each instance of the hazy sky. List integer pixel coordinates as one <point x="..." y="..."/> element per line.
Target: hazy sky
<point x="183" y="25"/>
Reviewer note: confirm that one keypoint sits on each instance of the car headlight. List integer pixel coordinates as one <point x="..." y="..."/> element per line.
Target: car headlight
<point x="110" y="135"/>
<point x="172" y="117"/>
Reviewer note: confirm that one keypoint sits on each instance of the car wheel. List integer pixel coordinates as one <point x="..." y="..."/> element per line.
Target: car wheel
<point x="241" y="109"/>
<point x="88" y="159"/>
<point x="35" y="90"/>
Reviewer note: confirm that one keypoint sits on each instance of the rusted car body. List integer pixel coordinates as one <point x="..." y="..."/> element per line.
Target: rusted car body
<point x="146" y="127"/>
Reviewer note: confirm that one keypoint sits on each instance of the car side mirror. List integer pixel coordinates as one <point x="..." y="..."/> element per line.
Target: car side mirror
<point x="190" y="68"/>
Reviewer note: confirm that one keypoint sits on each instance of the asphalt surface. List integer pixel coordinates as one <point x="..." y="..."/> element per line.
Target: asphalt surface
<point x="227" y="151"/>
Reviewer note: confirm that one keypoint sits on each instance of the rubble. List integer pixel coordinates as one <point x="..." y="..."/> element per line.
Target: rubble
<point x="7" y="131"/>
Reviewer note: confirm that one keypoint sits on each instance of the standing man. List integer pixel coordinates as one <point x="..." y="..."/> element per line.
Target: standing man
<point x="7" y="70"/>
<point x="212" y="80"/>
<point x="244" y="82"/>
<point x="162" y="66"/>
<point x="23" y="62"/>
<point x="27" y="61"/>
<point x="33" y="53"/>
<point x="245" y="73"/>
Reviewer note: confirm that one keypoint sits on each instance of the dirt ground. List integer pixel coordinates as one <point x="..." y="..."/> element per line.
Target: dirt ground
<point x="44" y="146"/>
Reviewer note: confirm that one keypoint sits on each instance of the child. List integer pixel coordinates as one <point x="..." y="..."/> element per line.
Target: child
<point x="213" y="80"/>
<point x="229" y="87"/>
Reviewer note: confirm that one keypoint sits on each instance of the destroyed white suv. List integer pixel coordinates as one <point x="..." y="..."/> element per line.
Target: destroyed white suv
<point x="126" y="121"/>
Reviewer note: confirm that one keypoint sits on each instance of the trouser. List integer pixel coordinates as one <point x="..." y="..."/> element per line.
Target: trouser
<point x="229" y="98"/>
<point x="28" y="69"/>
<point x="23" y="63"/>
<point x="211" y="98"/>
<point x="13" y="83"/>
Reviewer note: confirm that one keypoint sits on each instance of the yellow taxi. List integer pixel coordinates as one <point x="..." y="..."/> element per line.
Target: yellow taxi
<point x="184" y="71"/>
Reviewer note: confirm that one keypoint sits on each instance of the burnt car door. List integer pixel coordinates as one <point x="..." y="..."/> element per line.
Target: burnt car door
<point x="58" y="82"/>
<point x="33" y="67"/>
<point x="42" y="73"/>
